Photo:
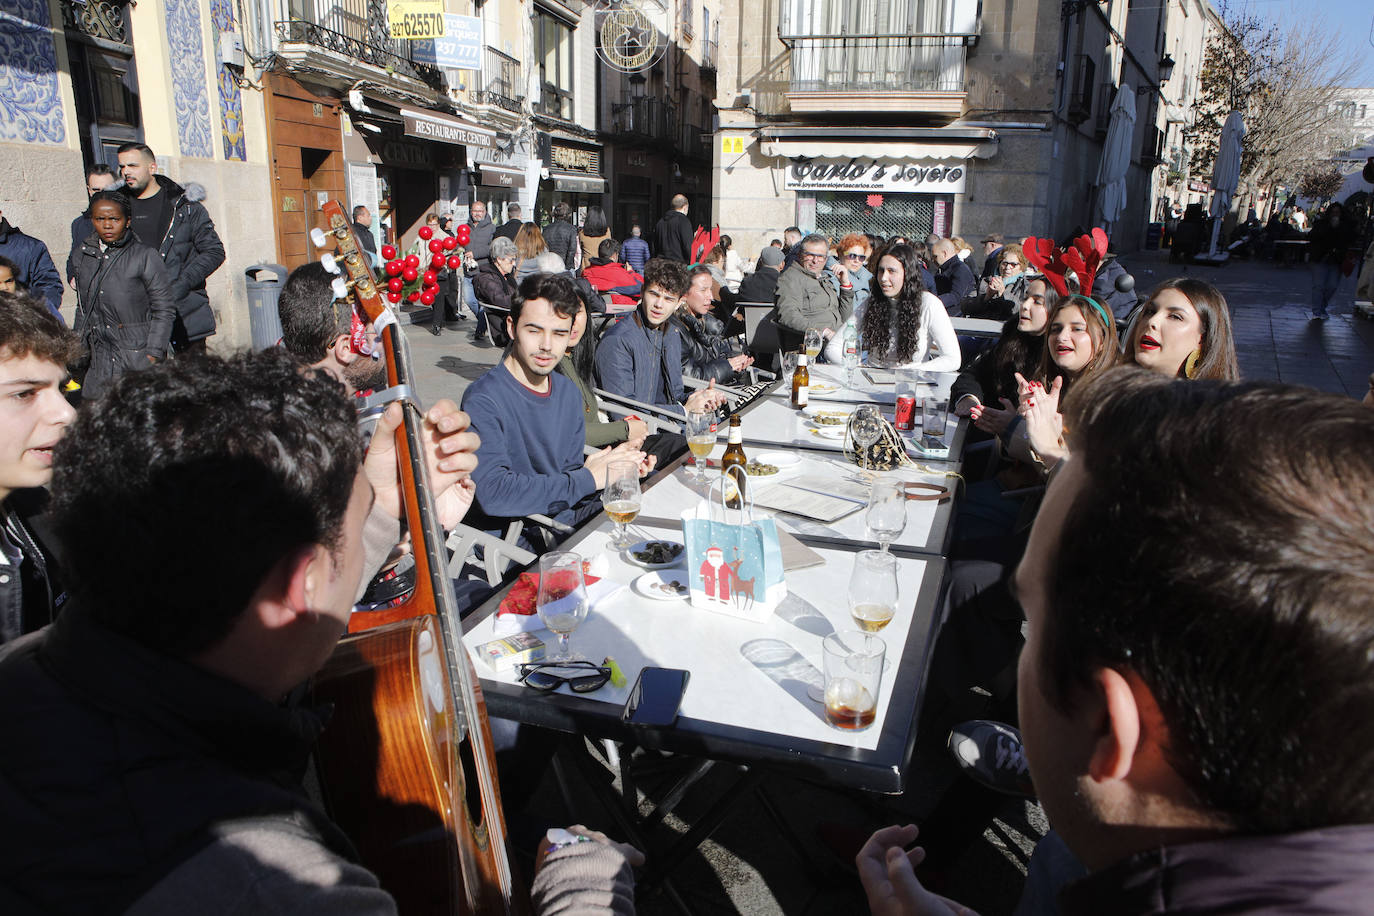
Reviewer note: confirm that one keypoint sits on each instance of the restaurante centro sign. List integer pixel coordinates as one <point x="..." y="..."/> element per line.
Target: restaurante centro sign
<point x="887" y="175"/>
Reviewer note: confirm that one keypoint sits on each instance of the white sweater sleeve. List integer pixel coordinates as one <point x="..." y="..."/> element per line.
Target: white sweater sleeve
<point x="935" y="321"/>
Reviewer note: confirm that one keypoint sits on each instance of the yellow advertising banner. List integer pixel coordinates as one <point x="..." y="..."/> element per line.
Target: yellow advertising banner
<point x="415" y="18"/>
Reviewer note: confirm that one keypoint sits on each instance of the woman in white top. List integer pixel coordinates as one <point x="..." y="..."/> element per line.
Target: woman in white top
<point x="903" y="325"/>
<point x="734" y="270"/>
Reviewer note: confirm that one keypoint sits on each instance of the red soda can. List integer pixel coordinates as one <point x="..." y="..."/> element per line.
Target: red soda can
<point x="906" y="409"/>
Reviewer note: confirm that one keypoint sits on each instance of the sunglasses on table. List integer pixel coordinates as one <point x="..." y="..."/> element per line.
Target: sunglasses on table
<point x="544" y="676"/>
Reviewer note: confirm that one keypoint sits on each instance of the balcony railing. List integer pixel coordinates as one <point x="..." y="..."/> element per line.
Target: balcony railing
<point x="500" y="82"/>
<point x="1152" y="151"/>
<point x="710" y="51"/>
<point x="882" y="63"/>
<point x="356" y="29"/>
<point x="645" y="117"/>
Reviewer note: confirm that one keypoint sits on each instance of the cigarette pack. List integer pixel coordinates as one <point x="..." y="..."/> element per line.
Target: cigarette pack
<point x="507" y="652"/>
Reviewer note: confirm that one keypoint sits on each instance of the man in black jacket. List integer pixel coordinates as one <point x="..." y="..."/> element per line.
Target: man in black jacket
<point x="34" y="351"/>
<point x="953" y="279"/>
<point x="171" y="220"/>
<point x="560" y="235"/>
<point x="362" y="228"/>
<point x="511" y="226"/>
<point x="99" y="177"/>
<point x="673" y="233"/>
<point x="1204" y="747"/>
<point x="762" y="284"/>
<point x="36" y="269"/>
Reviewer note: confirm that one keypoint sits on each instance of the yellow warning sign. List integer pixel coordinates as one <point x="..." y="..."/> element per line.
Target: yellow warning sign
<point x="732" y="144"/>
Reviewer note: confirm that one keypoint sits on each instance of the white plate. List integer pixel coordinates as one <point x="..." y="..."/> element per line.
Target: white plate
<point x="779" y="460"/>
<point x="812" y="409"/>
<point x="652" y="585"/>
<point x="828" y="432"/>
<point x="643" y="545"/>
<point x="824" y="388"/>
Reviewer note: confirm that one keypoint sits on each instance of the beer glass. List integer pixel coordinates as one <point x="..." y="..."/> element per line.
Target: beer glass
<point x="853" y="673"/>
<point x="621" y="499"/>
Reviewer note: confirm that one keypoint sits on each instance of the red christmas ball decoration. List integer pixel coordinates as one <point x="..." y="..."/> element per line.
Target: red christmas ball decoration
<point x="389" y="252"/>
<point x="395" y="284"/>
<point x="437" y="262"/>
<point x="435" y="246"/>
<point x="454" y="262"/>
<point x="393" y="297"/>
<point x="393" y="268"/>
<point x="426" y="232"/>
<point x="427" y="298"/>
<point x="464" y="234"/>
<point x="414" y="297"/>
<point x="410" y="273"/>
<point x="450" y="243"/>
<point x="430" y="278"/>
<point x="412" y="260"/>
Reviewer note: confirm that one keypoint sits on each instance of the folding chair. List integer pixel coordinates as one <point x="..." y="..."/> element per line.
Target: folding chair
<point x="668" y="418"/>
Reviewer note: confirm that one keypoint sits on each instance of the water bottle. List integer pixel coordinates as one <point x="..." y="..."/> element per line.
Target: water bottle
<point x="851" y="351"/>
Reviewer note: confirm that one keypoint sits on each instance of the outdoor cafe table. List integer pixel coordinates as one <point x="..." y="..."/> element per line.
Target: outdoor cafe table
<point x="771" y="422"/>
<point x="747" y="698"/>
<point x="828" y="384"/>
<point x="928" y="522"/>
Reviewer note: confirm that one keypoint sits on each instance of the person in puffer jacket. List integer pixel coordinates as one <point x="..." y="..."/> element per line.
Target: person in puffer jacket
<point x="125" y="306"/>
<point x="706" y="354"/>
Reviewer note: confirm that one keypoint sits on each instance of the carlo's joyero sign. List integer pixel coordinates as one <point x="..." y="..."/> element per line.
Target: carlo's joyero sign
<point x="415" y="18"/>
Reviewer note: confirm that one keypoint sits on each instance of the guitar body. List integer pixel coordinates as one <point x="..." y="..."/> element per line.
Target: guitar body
<point x="391" y="767"/>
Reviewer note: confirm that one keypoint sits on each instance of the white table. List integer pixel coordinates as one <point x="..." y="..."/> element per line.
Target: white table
<point x="747" y="698"/>
<point x="828" y="384"/>
<point x="927" y="527"/>
<point x="771" y="423"/>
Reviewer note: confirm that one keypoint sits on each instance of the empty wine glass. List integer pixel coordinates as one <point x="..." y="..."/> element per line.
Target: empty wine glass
<point x="866" y="427"/>
<point x="701" y="438"/>
<point x="789" y="365"/>
<point x="812" y="344"/>
<point x="621" y="499"/>
<point x="873" y="590"/>
<point x="562" y="600"/>
<point x="886" y="516"/>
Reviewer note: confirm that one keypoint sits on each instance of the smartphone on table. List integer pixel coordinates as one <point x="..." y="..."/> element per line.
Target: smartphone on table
<point x="655" y="697"/>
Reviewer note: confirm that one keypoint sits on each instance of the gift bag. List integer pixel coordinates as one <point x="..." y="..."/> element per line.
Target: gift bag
<point x="734" y="564"/>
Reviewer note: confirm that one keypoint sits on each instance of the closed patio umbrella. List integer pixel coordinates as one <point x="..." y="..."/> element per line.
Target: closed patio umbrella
<point x="1116" y="158"/>
<point x="1226" y="172"/>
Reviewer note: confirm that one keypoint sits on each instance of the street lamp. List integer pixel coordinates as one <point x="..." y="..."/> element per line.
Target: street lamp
<point x="1166" y="67"/>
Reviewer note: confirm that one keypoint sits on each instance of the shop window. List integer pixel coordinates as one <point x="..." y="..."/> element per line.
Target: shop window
<point x="841" y="212"/>
<point x="553" y="40"/>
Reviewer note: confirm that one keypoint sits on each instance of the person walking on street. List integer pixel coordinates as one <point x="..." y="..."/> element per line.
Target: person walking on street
<point x="171" y="220"/>
<point x="99" y="177"/>
<point x="560" y="236"/>
<point x="125" y="304"/>
<point x="635" y="251"/>
<point x="673" y="234"/>
<point x="594" y="231"/>
<point x="37" y="272"/>
<point x="1332" y="237"/>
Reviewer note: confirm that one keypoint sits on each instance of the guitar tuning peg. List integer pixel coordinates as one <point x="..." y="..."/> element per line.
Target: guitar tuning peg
<point x="318" y="237"/>
<point x="329" y="263"/>
<point x="340" y="287"/>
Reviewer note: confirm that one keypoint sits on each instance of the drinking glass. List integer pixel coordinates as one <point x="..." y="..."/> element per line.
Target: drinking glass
<point x="853" y="673"/>
<point x="886" y="516"/>
<point x="701" y="438"/>
<point x="934" y="412"/>
<point x="789" y="365"/>
<point x="812" y="344"/>
<point x="562" y="600"/>
<point x="873" y="590"/>
<point x="621" y="499"/>
<point x="868" y="426"/>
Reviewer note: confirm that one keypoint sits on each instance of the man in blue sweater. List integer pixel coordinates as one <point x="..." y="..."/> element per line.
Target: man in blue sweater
<point x="641" y="355"/>
<point x="530" y="418"/>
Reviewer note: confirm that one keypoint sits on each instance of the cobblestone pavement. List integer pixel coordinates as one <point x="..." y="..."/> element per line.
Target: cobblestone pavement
<point x="746" y="866"/>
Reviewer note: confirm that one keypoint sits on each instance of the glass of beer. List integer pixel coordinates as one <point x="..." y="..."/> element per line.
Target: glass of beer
<point x="621" y="499"/>
<point x="562" y="598"/>
<point x="853" y="673"/>
<point x="701" y="438"/>
<point x="812" y="344"/>
<point x="873" y="590"/>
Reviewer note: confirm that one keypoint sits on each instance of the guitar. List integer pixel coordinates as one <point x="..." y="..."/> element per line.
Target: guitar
<point x="406" y="765"/>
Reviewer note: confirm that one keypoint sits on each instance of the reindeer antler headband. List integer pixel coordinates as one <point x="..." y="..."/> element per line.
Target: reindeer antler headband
<point x="1082" y="257"/>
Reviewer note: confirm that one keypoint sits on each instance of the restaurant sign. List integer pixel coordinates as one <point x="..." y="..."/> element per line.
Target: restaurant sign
<point x="885" y="175"/>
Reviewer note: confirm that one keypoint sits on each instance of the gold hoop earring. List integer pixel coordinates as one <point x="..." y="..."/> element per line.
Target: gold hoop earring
<point x="1190" y="364"/>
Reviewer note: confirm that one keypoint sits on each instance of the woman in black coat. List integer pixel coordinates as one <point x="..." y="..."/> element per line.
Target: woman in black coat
<point x="494" y="286"/>
<point x="125" y="307"/>
<point x="706" y="354"/>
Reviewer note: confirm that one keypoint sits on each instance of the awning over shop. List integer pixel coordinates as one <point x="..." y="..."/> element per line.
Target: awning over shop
<point x="500" y="176"/>
<point x="431" y="125"/>
<point x="576" y="183"/>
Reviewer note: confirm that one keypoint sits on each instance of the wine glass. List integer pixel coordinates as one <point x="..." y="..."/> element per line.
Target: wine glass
<point x="886" y="516"/>
<point x="621" y="499"/>
<point x="867" y="427"/>
<point x="701" y="438"/>
<point x="812" y="344"/>
<point x="873" y="589"/>
<point x="562" y="600"/>
<point x="789" y="364"/>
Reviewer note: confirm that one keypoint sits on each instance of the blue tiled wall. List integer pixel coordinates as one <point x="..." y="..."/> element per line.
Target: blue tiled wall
<point x="30" y="104"/>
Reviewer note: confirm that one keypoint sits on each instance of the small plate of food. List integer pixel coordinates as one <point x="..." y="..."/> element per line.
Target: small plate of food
<point x="828" y="432"/>
<point x="780" y="460"/>
<point x="823" y="388"/>
<point x="654" y="554"/>
<point x="826" y="416"/>
<point x="663" y="585"/>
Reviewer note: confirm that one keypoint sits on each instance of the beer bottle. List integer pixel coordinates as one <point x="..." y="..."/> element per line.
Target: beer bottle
<point x="732" y="465"/>
<point x="801" y="383"/>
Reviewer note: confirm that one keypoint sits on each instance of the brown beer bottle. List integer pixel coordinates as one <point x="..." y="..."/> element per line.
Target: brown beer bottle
<point x="801" y="383"/>
<point x="732" y="464"/>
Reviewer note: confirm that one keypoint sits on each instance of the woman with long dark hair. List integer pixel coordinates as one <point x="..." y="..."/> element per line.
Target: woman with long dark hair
<point x="903" y="324"/>
<point x="991" y="379"/>
<point x="594" y="231"/>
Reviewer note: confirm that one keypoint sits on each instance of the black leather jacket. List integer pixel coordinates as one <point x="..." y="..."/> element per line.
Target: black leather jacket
<point x="705" y="351"/>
